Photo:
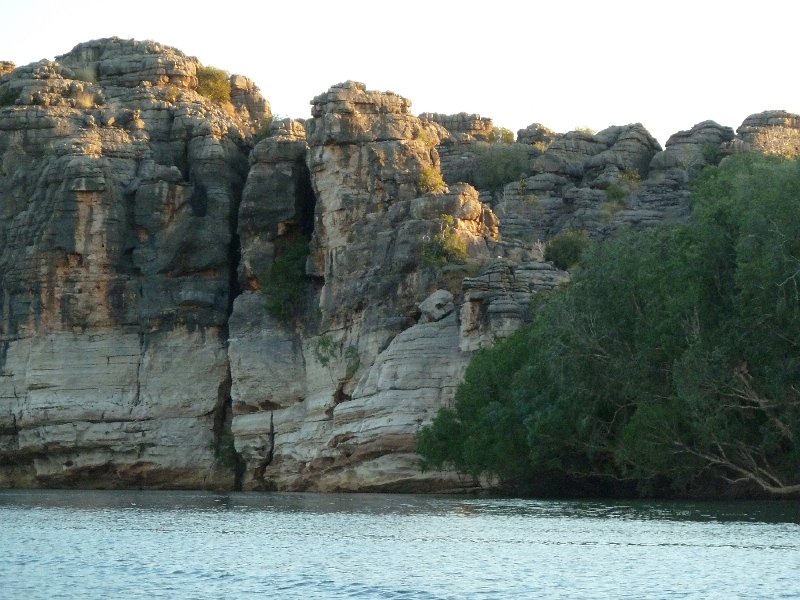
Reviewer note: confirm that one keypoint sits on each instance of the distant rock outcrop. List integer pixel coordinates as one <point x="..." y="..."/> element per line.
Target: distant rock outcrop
<point x="144" y="228"/>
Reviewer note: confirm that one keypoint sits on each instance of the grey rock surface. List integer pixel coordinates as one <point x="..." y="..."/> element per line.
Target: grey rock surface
<point x="119" y="188"/>
<point x="141" y="226"/>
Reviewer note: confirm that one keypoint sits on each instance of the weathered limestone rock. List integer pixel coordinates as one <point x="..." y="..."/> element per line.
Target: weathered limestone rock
<point x="463" y="126"/>
<point x="346" y="417"/>
<point x="497" y="302"/>
<point x="139" y="232"/>
<point x="687" y="152"/>
<point x="536" y="134"/>
<point x="119" y="186"/>
<point x="753" y="124"/>
<point x="582" y="181"/>
<point x="774" y="132"/>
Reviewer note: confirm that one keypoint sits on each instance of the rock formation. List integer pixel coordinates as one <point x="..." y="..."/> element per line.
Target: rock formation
<point x="119" y="188"/>
<point x="155" y="329"/>
<point x="371" y="359"/>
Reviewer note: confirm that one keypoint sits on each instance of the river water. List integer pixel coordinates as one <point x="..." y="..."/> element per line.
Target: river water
<point x="112" y="544"/>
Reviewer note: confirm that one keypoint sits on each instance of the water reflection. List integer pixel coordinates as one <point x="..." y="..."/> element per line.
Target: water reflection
<point x="117" y="544"/>
<point x="777" y="511"/>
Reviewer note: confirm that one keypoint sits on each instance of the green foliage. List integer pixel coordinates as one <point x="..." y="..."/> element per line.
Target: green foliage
<point x="499" y="164"/>
<point x="427" y="137"/>
<point x="615" y="193"/>
<point x="284" y="287"/>
<point x="446" y="246"/>
<point x="711" y="153"/>
<point x="585" y="130"/>
<point x="324" y="350"/>
<point x="565" y="249"/>
<point x="214" y="84"/>
<point x="265" y="130"/>
<point x="492" y="441"/>
<point x="430" y="180"/>
<point x="501" y="135"/>
<point x="671" y="361"/>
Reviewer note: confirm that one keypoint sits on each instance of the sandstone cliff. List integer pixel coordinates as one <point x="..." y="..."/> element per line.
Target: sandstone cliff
<point x="143" y="227"/>
<point x="119" y="187"/>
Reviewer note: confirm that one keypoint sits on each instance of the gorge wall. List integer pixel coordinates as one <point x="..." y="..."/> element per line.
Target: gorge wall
<point x="142" y="230"/>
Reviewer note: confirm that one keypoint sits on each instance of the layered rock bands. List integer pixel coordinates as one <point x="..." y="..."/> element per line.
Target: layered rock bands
<point x="150" y="336"/>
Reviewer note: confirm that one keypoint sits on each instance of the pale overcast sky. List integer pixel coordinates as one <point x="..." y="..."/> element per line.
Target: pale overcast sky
<point x="563" y="63"/>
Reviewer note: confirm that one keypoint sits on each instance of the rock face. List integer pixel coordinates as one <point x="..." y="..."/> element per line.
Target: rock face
<point x="119" y="188"/>
<point x="370" y="360"/>
<point x="184" y="305"/>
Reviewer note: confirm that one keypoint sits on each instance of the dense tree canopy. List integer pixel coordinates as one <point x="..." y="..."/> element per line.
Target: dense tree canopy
<point x="671" y="362"/>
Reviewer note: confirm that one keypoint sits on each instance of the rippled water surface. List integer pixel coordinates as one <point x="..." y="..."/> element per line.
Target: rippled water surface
<point x="71" y="544"/>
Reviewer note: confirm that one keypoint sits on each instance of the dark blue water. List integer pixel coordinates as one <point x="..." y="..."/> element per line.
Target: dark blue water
<point x="75" y="544"/>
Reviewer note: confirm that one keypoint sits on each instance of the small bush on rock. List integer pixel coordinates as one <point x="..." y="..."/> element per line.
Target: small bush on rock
<point x="214" y="84"/>
<point x="565" y="250"/>
<point x="499" y="164"/>
<point x="430" y="180"/>
<point x="284" y="287"/>
<point x="446" y="246"/>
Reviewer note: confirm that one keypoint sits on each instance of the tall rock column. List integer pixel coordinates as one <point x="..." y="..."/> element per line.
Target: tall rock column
<point x="345" y="386"/>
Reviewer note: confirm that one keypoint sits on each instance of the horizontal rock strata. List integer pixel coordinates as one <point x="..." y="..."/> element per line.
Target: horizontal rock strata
<point x="155" y="331"/>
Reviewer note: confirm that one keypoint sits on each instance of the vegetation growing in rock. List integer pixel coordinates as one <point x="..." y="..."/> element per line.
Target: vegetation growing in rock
<point x="565" y="249"/>
<point x="499" y="164"/>
<point x="214" y="84"/>
<point x="427" y="137"/>
<point x="778" y="141"/>
<point x="430" y="180"/>
<point x="284" y="287"/>
<point x="225" y="451"/>
<point x="446" y="246"/>
<point x="501" y="135"/>
<point x="615" y="193"/>
<point x="670" y="364"/>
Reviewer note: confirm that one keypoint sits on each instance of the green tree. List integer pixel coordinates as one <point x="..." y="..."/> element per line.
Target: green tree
<point x="501" y="135"/>
<point x="671" y="360"/>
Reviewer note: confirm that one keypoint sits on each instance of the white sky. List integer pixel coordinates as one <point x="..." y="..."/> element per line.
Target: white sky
<point x="563" y="63"/>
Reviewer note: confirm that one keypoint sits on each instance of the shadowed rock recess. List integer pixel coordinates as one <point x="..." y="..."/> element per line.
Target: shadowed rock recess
<point x="152" y="334"/>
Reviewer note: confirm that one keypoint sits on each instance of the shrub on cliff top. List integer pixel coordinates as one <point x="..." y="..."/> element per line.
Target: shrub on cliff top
<point x="501" y="135"/>
<point x="214" y="84"/>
